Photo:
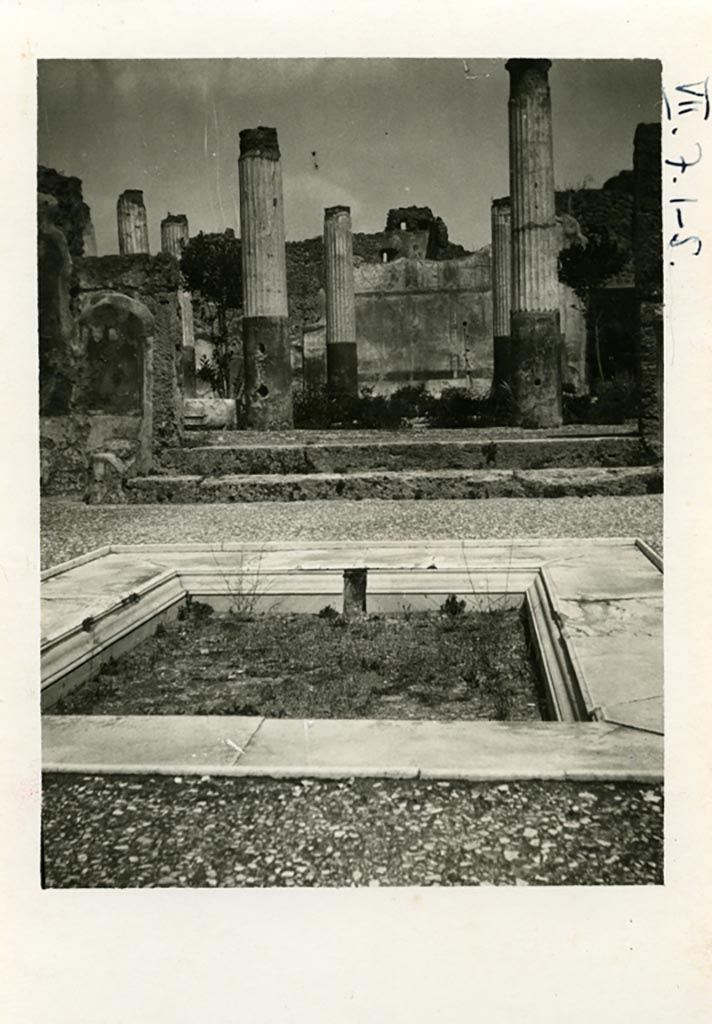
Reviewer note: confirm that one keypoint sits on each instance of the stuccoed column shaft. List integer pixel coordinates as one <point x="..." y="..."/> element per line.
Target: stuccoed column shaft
<point x="501" y="288"/>
<point x="132" y="223"/>
<point x="535" y="329"/>
<point x="174" y="234"/>
<point x="265" y="328"/>
<point x="264" y="267"/>
<point x="341" y="353"/>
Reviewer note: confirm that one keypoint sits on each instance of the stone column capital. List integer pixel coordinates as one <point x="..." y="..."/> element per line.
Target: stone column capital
<point x="330" y="212"/>
<point x="518" y="67"/>
<point x="260" y="141"/>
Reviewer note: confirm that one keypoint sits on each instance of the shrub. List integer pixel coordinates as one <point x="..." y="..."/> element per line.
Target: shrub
<point x="452" y="606"/>
<point x="328" y="612"/>
<point x="611" y="401"/>
<point x="412" y="401"/>
<point x="315" y="409"/>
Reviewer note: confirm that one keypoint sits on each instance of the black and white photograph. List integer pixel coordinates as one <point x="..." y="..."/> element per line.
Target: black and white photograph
<point x="356" y="382"/>
<point x="351" y="452"/>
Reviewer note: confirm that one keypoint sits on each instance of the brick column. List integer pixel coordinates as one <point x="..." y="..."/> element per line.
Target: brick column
<point x="267" y="350"/>
<point x="535" y="329"/>
<point x="341" y="357"/>
<point x="132" y="223"/>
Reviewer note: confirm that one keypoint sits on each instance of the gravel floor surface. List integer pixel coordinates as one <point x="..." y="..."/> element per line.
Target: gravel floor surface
<point x="69" y="527"/>
<point x="135" y="831"/>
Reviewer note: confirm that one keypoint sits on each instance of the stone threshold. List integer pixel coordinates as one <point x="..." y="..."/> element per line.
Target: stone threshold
<point x="335" y="748"/>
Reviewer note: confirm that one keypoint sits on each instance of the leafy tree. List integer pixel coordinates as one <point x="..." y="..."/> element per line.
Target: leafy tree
<point x="585" y="268"/>
<point x="211" y="265"/>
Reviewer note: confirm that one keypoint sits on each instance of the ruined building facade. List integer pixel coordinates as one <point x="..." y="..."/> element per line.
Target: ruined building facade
<point x="110" y="350"/>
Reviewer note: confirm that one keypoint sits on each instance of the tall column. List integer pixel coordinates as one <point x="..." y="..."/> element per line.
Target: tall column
<point x="133" y="223"/>
<point x="535" y="329"/>
<point x="265" y="327"/>
<point x="501" y="288"/>
<point x="341" y="358"/>
<point x="174" y="234"/>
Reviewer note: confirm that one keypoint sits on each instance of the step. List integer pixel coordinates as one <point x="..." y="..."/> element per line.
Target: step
<point x="413" y="485"/>
<point x="417" y="452"/>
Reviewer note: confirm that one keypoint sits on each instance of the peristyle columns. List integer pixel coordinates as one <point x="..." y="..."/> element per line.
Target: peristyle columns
<point x="341" y="357"/>
<point x="265" y="327"/>
<point x="132" y="223"/>
<point x="535" y="330"/>
<point x="501" y="288"/>
<point x="174" y="234"/>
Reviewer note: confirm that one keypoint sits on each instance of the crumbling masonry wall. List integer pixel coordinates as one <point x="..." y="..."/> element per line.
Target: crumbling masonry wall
<point x="647" y="250"/>
<point x="109" y="350"/>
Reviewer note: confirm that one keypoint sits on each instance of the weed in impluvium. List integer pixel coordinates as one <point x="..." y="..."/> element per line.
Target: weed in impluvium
<point x="244" y="585"/>
<point x="198" y="611"/>
<point x="329" y="613"/>
<point x="406" y="610"/>
<point x="452" y="606"/>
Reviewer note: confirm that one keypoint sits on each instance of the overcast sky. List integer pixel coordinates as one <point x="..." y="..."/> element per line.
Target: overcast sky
<point x="385" y="133"/>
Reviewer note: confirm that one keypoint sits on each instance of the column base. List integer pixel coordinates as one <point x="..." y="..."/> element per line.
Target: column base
<point x="536" y="369"/>
<point x="502" y="363"/>
<point x="268" y="373"/>
<point x="342" y="369"/>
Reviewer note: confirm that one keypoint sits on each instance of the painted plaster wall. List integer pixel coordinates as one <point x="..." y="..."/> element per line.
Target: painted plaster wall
<point x="415" y="318"/>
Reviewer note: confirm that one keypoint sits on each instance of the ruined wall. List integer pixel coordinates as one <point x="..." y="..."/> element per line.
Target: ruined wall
<point x="425" y="236"/>
<point x="415" y="319"/>
<point x="73" y="216"/>
<point x="648" y="248"/>
<point x="155" y="282"/>
<point x="609" y="209"/>
<point x="572" y="316"/>
<point x="119" y="367"/>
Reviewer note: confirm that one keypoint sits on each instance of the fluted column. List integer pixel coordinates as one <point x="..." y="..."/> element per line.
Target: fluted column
<point x="174" y="234"/>
<point x="341" y="357"/>
<point x="132" y="223"/>
<point x="535" y="329"/>
<point x="267" y="351"/>
<point x="501" y="288"/>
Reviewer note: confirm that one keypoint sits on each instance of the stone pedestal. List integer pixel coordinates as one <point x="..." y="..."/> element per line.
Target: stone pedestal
<point x="174" y="234"/>
<point x="341" y="357"/>
<point x="267" y="363"/>
<point x="132" y="223"/>
<point x="535" y="333"/>
<point x="355" y="587"/>
<point x="501" y="288"/>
